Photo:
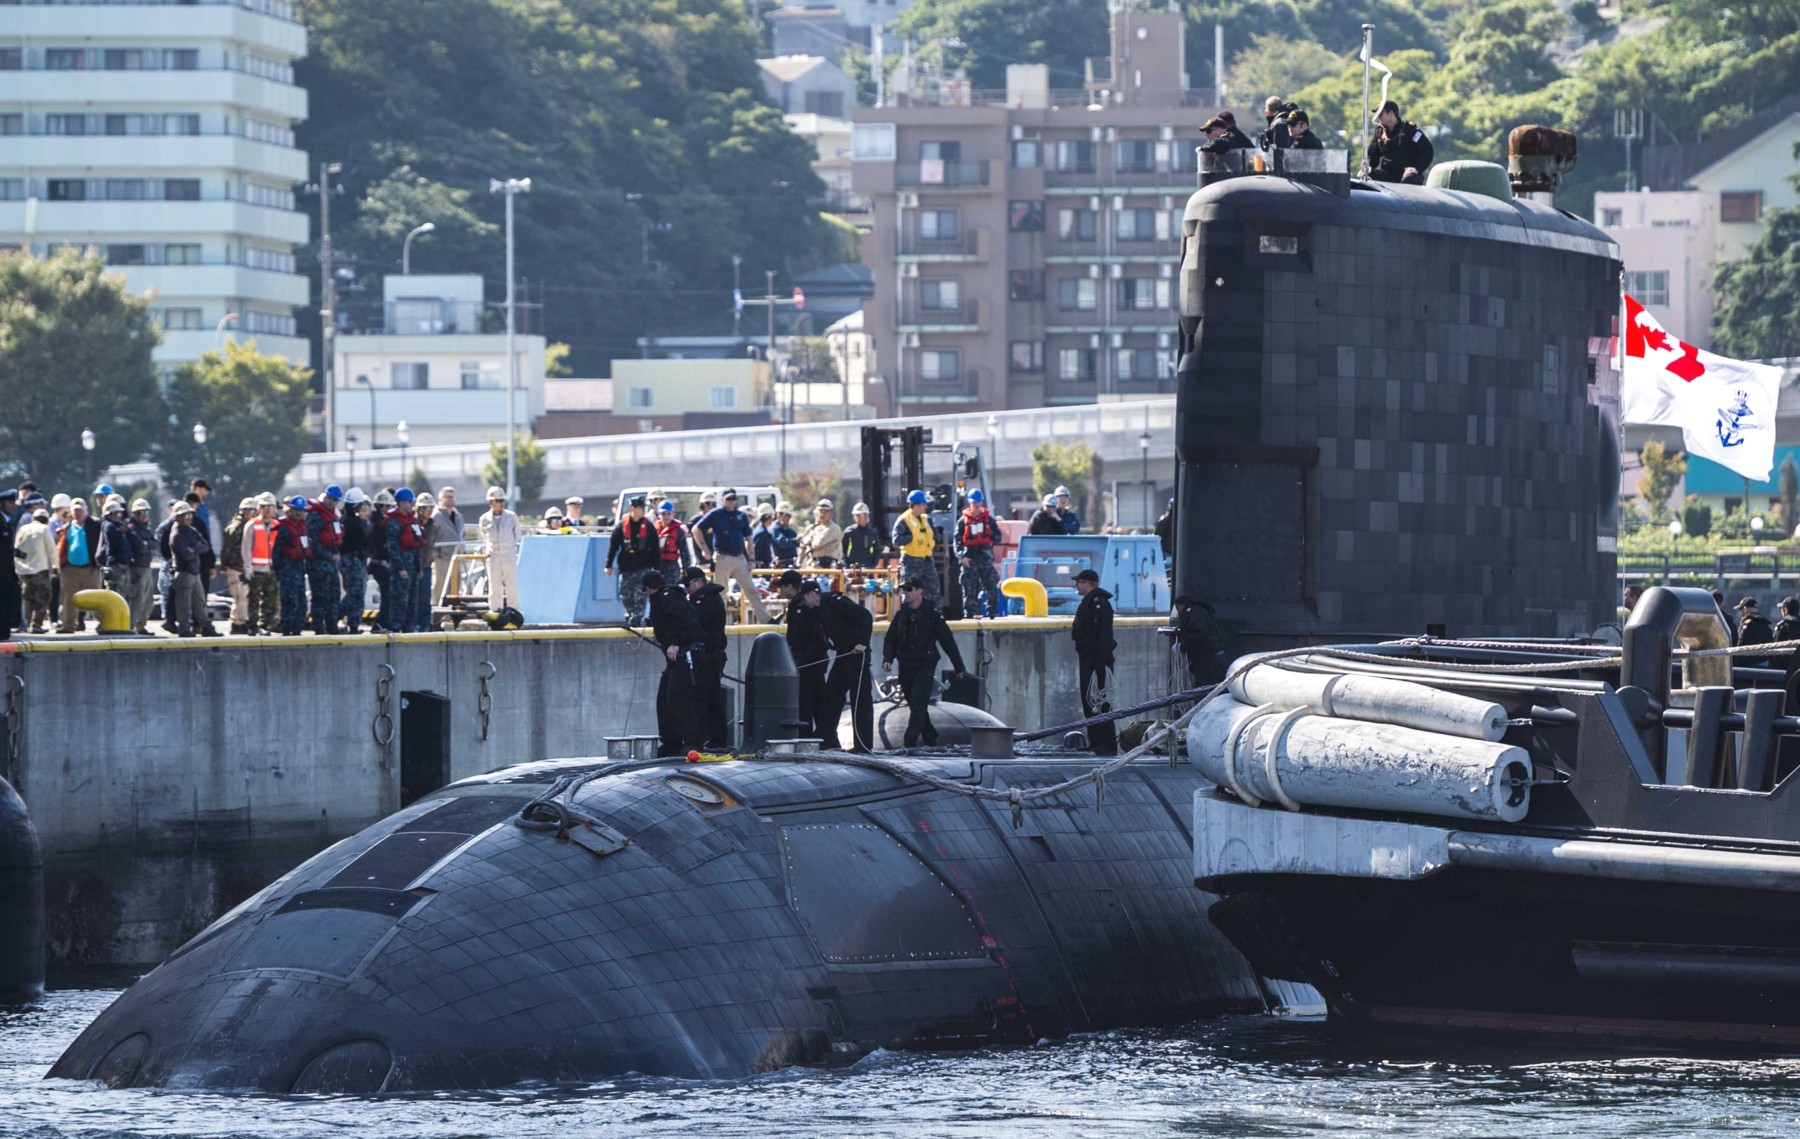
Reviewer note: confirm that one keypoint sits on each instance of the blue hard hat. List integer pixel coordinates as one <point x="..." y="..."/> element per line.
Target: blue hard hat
<point x="665" y="507"/>
<point x="404" y="494"/>
<point x="334" y="491"/>
<point x="917" y="496"/>
<point x="103" y="488"/>
<point x="297" y="502"/>
<point x="976" y="496"/>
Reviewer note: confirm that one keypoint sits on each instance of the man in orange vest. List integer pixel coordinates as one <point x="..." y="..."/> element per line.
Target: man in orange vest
<point x="979" y="579"/>
<point x="671" y="541"/>
<point x="264" y="612"/>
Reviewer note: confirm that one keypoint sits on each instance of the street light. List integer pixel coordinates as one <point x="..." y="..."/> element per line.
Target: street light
<point x="511" y="187"/>
<point x="1674" y="527"/>
<point x="363" y="379"/>
<point x="1144" y="450"/>
<point x="87" y="445"/>
<point x="219" y="330"/>
<point x="1756" y="527"/>
<point x="403" y="433"/>
<point x="993" y="455"/>
<point x="200" y="442"/>
<point x="406" y="246"/>
<point x="350" y="441"/>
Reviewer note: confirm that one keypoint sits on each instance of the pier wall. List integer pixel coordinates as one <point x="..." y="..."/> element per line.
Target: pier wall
<point x="169" y="780"/>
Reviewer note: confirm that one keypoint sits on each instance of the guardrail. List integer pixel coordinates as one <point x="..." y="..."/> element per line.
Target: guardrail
<point x="1762" y="568"/>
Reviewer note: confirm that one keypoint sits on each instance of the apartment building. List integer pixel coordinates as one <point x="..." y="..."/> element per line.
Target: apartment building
<point x="162" y="133"/>
<point x="1025" y="241"/>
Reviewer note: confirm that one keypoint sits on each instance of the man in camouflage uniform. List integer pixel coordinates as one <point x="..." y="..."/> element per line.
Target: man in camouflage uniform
<point x="403" y="559"/>
<point x="979" y="580"/>
<point x="326" y="529"/>
<point x="293" y="556"/>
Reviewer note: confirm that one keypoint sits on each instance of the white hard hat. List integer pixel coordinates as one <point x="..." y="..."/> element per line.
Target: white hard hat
<point x="355" y="496"/>
<point x="784" y="508"/>
<point x="1062" y="492"/>
<point x="495" y="492"/>
<point x="825" y="504"/>
<point x="60" y="502"/>
<point x="860" y="508"/>
<point x="553" y="512"/>
<point x="1049" y="500"/>
<point x="765" y="511"/>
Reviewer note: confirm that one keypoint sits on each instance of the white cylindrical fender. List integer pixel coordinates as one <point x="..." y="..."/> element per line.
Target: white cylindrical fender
<point x="1298" y="759"/>
<point x="1376" y="699"/>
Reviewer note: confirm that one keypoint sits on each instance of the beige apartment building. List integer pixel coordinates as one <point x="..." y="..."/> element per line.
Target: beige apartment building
<point x="1024" y="243"/>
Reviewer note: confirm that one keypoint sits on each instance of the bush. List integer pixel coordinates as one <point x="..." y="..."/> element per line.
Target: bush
<point x="1631" y="519"/>
<point x="1696" y="517"/>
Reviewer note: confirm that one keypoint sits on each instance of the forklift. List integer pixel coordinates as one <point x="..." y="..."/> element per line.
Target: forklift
<point x="885" y="490"/>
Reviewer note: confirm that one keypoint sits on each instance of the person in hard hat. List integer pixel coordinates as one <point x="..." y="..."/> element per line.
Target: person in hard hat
<point x="353" y="556"/>
<point x="671" y="543"/>
<point x="34" y="558"/>
<point x="916" y="539"/>
<point x="762" y="536"/>
<point x="189" y="548"/>
<point x="426" y="508"/>
<point x="675" y="625"/>
<point x="822" y="543"/>
<point x="324" y="582"/>
<point x="633" y="549"/>
<point x="1047" y="520"/>
<point x="862" y="542"/>
<point x="406" y="550"/>
<point x="143" y="554"/>
<point x="501" y="537"/>
<point x="293" y="554"/>
<point x="709" y="502"/>
<point x="1065" y="506"/>
<point x="115" y="546"/>
<point x="263" y="616"/>
<point x="446" y="543"/>
<point x="784" y="541"/>
<point x="723" y="539"/>
<point x="380" y="506"/>
<point x="979" y="580"/>
<point x="237" y="574"/>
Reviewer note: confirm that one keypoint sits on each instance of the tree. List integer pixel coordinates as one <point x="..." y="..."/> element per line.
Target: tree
<point x="254" y="409"/>
<point x="804" y="489"/>
<point x="993" y="33"/>
<point x="1663" y="472"/>
<point x="531" y="467"/>
<point x="1062" y="464"/>
<point x="1696" y="517"/>
<point x="556" y="361"/>
<point x="1278" y="65"/>
<point x="1790" y="495"/>
<point x="1759" y="294"/>
<point x="74" y="356"/>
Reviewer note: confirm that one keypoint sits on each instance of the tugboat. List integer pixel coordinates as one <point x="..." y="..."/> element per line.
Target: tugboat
<point x="1515" y="838"/>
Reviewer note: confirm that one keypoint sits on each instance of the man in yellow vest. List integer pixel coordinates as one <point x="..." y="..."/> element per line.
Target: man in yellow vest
<point x="915" y="539"/>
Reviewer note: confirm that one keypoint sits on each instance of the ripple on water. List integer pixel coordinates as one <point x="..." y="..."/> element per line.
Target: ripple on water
<point x="1236" y="1076"/>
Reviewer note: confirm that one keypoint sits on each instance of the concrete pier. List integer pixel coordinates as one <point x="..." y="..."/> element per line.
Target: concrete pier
<point x="170" y="779"/>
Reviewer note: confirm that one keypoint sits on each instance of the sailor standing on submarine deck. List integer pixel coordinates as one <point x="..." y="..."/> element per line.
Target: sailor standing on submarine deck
<point x="678" y="633"/>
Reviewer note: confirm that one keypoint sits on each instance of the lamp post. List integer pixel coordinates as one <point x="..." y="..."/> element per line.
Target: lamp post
<point x="327" y="295"/>
<point x="404" y="434"/>
<point x="350" y="441"/>
<point x="406" y="246"/>
<point x="992" y="474"/>
<point x="511" y="187"/>
<point x="370" y="384"/>
<point x="87" y="446"/>
<point x="1144" y="450"/>
<point x="200" y="442"/>
<point x="1756" y="529"/>
<point x="1674" y="527"/>
<point x="219" y="330"/>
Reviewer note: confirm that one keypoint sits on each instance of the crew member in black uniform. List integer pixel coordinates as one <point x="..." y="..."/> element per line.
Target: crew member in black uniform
<point x="849" y="627"/>
<point x="913" y="638"/>
<point x="677" y="630"/>
<point x="1197" y="632"/>
<point x="1222" y="134"/>
<point x="1300" y="135"/>
<point x="1753" y="629"/>
<point x="1399" y="152"/>
<point x="11" y="603"/>
<point x="806" y="641"/>
<point x="708" y="600"/>
<point x="1094" y="644"/>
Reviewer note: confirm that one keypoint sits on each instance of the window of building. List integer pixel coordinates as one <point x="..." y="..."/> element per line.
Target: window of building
<point x="1137" y="225"/>
<point x="1136" y="156"/>
<point x="275" y="324"/>
<point x="12" y="124"/>
<point x="640" y="398"/>
<point x="872" y="142"/>
<point x="65" y="59"/>
<point x="1075" y="364"/>
<point x="127" y="189"/>
<point x="1027" y="154"/>
<point x="1142" y="294"/>
<point x="125" y="255"/>
<point x="122" y="59"/>
<point x="12" y="59"/>
<point x="67" y="190"/>
<point x="479" y="374"/>
<point x="410" y="377"/>
<point x="260" y="131"/>
<point x="724" y="398"/>
<point x="1740" y="206"/>
<point x="1026" y="355"/>
<point x="271" y="259"/>
<point x="827" y="103"/>
<point x="259" y="195"/>
<point x="1025" y="217"/>
<point x="940" y="152"/>
<point x="1136" y="363"/>
<point x="12" y="189"/>
<point x="1075" y="225"/>
<point x="180" y="319"/>
<point x="1612" y="219"/>
<point x="940" y="296"/>
<point x="189" y="125"/>
<point x="267" y="69"/>
<point x="1025" y="285"/>
<point x="181" y="189"/>
<point x="1076" y="293"/>
<point x="187" y="253"/>
<point x="1277" y="243"/>
<point x="937" y="225"/>
<point x="1072" y="156"/>
<point x="188" y="59"/>
<point x="65" y="124"/>
<point x="1649" y="288"/>
<point x="938" y="364"/>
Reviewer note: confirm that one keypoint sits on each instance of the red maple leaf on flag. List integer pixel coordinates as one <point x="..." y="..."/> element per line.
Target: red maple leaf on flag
<point x="1688" y="366"/>
<point x="1655" y="338"/>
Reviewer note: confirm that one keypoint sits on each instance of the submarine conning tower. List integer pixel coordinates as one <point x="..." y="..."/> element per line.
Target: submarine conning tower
<point x="1395" y="408"/>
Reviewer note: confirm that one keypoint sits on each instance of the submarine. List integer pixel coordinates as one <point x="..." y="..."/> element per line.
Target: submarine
<point x="689" y="920"/>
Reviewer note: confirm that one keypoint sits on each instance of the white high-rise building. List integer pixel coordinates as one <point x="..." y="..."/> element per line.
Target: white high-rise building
<point x="162" y="131"/>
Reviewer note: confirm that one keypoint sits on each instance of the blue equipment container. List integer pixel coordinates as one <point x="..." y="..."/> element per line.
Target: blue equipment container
<point x="563" y="581"/>
<point x="1130" y="568"/>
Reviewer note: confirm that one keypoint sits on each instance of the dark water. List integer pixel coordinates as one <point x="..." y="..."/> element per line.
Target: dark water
<point x="1238" y="1076"/>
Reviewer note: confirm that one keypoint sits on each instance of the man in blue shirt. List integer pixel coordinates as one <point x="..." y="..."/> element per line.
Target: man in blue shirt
<point x="722" y="536"/>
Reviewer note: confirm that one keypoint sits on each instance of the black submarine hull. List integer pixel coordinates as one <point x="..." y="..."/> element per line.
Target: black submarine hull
<point x="726" y="919"/>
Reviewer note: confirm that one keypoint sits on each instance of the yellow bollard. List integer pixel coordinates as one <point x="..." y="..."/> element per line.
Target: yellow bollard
<point x="1031" y="591"/>
<point x="115" y="615"/>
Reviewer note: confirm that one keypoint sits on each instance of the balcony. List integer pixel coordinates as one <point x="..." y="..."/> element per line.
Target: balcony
<point x="81" y="223"/>
<point x="416" y="317"/>
<point x="92" y="90"/>
<point x="971" y="245"/>
<point x="174" y="282"/>
<point x="95" y="154"/>
<point x="939" y="174"/>
<point x="965" y="317"/>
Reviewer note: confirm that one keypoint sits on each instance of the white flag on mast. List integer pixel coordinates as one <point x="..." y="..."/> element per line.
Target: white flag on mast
<point x="1725" y="408"/>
